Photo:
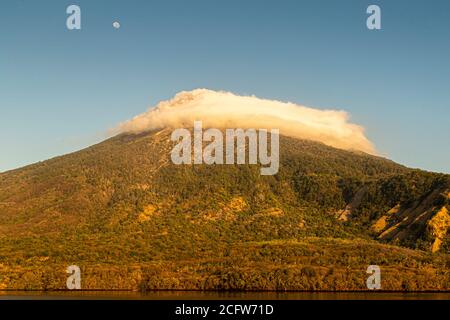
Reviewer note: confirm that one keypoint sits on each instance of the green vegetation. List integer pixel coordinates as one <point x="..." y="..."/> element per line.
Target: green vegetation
<point x="132" y="220"/>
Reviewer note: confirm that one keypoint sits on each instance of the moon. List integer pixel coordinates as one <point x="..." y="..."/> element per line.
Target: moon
<point x="116" y="24"/>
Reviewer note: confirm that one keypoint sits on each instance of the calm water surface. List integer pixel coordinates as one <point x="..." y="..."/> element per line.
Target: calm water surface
<point x="193" y="295"/>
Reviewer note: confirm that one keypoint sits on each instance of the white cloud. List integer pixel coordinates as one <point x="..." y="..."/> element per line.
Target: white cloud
<point x="218" y="109"/>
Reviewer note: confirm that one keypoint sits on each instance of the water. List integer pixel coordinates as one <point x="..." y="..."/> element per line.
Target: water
<point x="212" y="295"/>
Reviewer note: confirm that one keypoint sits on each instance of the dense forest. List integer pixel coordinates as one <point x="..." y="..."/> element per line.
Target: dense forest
<point x="133" y="220"/>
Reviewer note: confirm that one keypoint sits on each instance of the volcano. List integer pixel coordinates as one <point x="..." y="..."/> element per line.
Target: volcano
<point x="131" y="219"/>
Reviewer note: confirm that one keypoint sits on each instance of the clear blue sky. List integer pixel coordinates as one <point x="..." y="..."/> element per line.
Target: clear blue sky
<point x="61" y="90"/>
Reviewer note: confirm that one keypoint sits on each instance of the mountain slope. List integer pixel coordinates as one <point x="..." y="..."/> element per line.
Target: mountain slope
<point x="131" y="219"/>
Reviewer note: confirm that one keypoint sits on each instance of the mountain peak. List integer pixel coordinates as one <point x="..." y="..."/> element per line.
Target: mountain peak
<point x="124" y="206"/>
<point x="220" y="109"/>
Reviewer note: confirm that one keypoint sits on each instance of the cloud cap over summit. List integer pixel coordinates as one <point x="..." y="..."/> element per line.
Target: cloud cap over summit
<point x="219" y="109"/>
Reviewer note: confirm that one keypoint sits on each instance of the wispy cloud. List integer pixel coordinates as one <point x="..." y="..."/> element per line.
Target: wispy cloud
<point x="220" y="109"/>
